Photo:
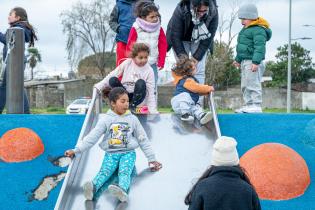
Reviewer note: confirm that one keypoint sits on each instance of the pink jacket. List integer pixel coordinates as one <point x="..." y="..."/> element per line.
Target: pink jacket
<point x="130" y="74"/>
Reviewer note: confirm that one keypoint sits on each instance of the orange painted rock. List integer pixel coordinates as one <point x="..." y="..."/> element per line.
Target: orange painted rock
<point x="20" y="144"/>
<point x="276" y="171"/>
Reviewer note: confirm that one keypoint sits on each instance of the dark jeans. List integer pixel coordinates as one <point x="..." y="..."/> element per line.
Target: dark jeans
<point x="138" y="94"/>
<point x="3" y="100"/>
<point x="3" y="94"/>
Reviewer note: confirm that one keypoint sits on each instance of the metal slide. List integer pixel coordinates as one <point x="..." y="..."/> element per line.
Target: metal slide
<point x="183" y="149"/>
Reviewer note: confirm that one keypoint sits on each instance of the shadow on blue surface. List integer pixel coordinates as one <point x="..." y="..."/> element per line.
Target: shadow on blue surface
<point x="60" y="132"/>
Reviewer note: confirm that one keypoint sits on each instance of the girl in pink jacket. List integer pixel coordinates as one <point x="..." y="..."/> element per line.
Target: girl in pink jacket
<point x="137" y="78"/>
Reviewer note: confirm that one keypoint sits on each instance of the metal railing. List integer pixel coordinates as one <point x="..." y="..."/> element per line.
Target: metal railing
<point x="94" y="110"/>
<point x="214" y="113"/>
<point x="91" y="118"/>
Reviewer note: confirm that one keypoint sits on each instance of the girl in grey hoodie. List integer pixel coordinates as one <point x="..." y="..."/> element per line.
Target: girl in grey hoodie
<point x="123" y="133"/>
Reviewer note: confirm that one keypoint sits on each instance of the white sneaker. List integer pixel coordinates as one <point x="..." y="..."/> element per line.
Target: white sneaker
<point x="205" y="118"/>
<point x="240" y="110"/>
<point x="253" y="109"/>
<point x="118" y="192"/>
<point x="88" y="190"/>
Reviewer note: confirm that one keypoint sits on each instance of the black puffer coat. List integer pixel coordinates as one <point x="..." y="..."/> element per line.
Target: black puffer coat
<point x="180" y="28"/>
<point x="224" y="189"/>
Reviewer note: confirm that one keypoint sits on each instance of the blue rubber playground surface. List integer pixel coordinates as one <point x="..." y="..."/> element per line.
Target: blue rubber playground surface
<point x="60" y="132"/>
<point x="292" y="130"/>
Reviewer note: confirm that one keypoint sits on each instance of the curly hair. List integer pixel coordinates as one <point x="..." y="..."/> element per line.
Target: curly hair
<point x="184" y="66"/>
<point x="138" y="47"/>
<point x="145" y="7"/>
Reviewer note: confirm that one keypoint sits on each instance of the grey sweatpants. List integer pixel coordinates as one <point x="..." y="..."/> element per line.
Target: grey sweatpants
<point x="251" y="83"/>
<point x="183" y="103"/>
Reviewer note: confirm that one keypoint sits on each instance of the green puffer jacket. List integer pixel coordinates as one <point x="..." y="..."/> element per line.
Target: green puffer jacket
<point x="251" y="41"/>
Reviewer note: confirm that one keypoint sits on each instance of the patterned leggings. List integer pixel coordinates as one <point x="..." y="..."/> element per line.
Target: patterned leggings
<point x="125" y="162"/>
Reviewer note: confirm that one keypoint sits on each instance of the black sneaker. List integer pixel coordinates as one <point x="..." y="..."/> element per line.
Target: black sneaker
<point x="187" y="117"/>
<point x="132" y="109"/>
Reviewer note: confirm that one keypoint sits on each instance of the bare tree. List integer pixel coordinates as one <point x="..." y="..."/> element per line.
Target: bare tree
<point x="88" y="32"/>
<point x="219" y="69"/>
<point x="226" y="23"/>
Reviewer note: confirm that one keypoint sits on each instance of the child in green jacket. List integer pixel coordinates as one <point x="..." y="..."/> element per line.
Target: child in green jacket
<point x="250" y="54"/>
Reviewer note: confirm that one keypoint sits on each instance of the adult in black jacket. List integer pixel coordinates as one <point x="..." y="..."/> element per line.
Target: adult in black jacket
<point x="192" y="29"/>
<point x="17" y="18"/>
<point x="225" y="185"/>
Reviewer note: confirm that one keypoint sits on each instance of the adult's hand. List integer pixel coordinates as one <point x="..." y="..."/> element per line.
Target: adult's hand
<point x="195" y="61"/>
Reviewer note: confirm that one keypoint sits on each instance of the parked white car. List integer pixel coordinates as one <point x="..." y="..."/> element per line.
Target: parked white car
<point x="79" y="106"/>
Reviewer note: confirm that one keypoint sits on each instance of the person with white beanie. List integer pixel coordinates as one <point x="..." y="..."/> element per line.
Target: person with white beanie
<point x="224" y="185"/>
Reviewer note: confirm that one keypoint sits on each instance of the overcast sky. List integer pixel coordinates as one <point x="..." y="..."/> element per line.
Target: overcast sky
<point x="45" y="16"/>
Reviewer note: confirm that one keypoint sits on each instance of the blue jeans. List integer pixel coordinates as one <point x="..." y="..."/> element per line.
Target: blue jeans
<point x="3" y="100"/>
<point x="3" y="96"/>
<point x="156" y="73"/>
<point x="125" y="162"/>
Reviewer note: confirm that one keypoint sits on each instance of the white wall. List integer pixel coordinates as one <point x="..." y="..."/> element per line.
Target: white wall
<point x="308" y="101"/>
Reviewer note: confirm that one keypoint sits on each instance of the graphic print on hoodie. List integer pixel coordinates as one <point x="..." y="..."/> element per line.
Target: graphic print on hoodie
<point x="118" y="135"/>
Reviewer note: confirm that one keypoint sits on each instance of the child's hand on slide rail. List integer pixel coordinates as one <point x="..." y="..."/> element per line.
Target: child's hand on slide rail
<point x="211" y="88"/>
<point x="98" y="89"/>
<point x="155" y="165"/>
<point x="106" y="92"/>
<point x="70" y="153"/>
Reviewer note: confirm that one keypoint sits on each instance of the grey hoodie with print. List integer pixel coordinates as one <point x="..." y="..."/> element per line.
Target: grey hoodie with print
<point x="122" y="133"/>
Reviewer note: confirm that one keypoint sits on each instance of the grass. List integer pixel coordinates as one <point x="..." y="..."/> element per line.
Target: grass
<point x="49" y="110"/>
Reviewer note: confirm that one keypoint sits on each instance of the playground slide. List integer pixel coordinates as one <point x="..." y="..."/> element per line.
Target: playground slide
<point x="183" y="149"/>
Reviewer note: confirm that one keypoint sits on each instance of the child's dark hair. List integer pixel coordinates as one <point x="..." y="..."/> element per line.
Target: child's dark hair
<point x="138" y="47"/>
<point x="21" y="12"/>
<point x="115" y="94"/>
<point x="145" y="7"/>
<point x="207" y="173"/>
<point x="184" y="66"/>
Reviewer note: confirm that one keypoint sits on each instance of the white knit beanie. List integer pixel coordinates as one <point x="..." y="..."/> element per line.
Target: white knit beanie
<point x="224" y="152"/>
<point x="248" y="11"/>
